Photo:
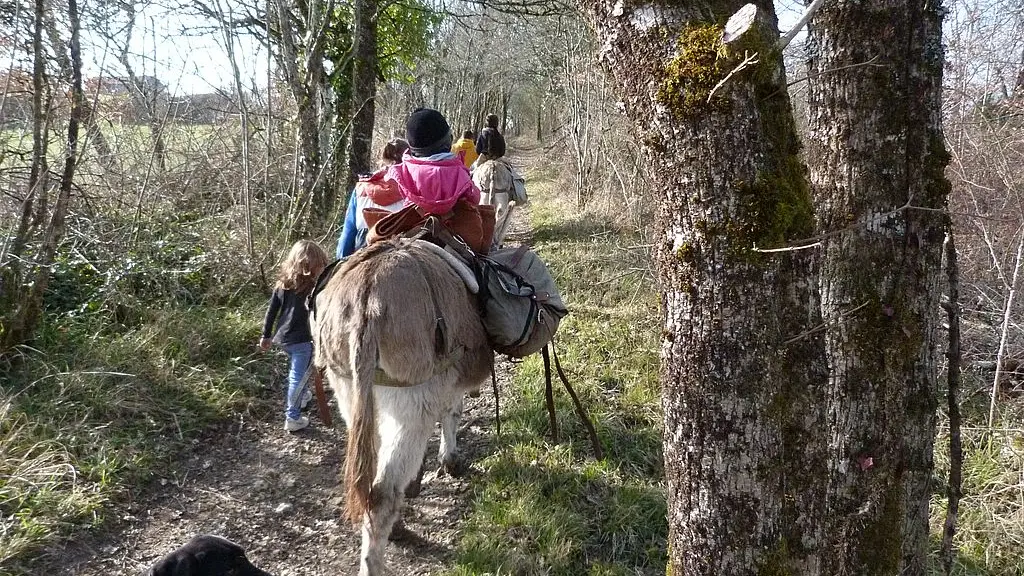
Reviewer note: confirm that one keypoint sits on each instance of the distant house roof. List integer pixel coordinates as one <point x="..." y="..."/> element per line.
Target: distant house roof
<point x="122" y="84"/>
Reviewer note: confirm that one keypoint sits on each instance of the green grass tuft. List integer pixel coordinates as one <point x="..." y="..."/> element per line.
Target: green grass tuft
<point x="990" y="526"/>
<point x="88" y="414"/>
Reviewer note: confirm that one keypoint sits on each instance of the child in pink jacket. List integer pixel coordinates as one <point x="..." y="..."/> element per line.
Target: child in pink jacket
<point x="430" y="175"/>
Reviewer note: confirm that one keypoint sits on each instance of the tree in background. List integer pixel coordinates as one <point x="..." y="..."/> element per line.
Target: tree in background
<point x="364" y="88"/>
<point x="27" y="255"/>
<point x="388" y="38"/>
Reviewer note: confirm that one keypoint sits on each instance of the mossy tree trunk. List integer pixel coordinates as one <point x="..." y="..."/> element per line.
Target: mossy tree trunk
<point x="876" y="155"/>
<point x="742" y="368"/>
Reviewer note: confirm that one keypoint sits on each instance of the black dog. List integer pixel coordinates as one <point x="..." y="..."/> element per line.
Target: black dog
<point x="206" y="555"/>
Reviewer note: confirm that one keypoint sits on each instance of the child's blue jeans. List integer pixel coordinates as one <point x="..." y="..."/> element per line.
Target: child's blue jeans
<point x="299" y="356"/>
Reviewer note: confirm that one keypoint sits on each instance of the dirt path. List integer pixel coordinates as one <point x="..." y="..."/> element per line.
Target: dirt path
<point x="278" y="495"/>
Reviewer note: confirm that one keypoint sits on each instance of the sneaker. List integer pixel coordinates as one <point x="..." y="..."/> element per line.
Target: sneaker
<point x="296" y="424"/>
<point x="306" y="397"/>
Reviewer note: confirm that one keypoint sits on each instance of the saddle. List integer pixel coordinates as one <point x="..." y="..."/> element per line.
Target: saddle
<point x="473" y="223"/>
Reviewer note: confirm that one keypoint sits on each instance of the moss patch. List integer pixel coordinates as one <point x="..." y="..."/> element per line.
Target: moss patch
<point x="777" y="204"/>
<point x="776" y="562"/>
<point x="689" y="78"/>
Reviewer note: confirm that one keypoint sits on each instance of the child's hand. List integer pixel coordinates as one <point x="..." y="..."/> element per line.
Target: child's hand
<point x="264" y="344"/>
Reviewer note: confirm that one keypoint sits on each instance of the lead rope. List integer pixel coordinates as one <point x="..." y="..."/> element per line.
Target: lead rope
<point x="598" y="452"/>
<point x="549" y="396"/>
<point x="494" y="387"/>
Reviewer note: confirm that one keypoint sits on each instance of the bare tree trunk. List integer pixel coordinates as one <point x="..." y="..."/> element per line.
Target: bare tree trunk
<point x="21" y="323"/>
<point x="39" y="172"/>
<point x="504" y="96"/>
<point x="878" y="153"/>
<point x="742" y="366"/>
<point x="94" y="134"/>
<point x="301" y="60"/>
<point x="146" y="96"/>
<point x="14" y="267"/>
<point x="540" y="133"/>
<point x="243" y="110"/>
<point x="364" y="89"/>
<point x="953" y="356"/>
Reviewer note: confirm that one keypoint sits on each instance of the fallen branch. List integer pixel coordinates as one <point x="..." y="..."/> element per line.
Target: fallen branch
<point x="953" y="357"/>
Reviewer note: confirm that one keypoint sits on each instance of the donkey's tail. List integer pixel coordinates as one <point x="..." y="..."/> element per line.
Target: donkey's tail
<point x="361" y="455"/>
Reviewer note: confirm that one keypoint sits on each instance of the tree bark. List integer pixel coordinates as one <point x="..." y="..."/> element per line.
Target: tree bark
<point x="39" y="172"/>
<point x="954" y="486"/>
<point x="364" y="89"/>
<point x="878" y="154"/>
<point x="20" y="324"/>
<point x="300" y="57"/>
<point x="742" y="363"/>
<point x="16" y="267"/>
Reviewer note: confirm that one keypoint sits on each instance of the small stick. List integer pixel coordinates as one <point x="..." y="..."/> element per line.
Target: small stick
<point x="549" y="394"/>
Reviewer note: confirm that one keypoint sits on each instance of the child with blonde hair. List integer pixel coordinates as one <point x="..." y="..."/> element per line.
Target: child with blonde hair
<point x="295" y="279"/>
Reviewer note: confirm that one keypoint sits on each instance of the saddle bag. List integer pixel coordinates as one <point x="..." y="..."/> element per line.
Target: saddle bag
<point x="518" y="192"/>
<point x="520" y="305"/>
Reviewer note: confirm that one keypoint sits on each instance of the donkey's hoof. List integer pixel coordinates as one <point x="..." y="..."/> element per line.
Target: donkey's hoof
<point x="454" y="466"/>
<point x="399" y="533"/>
<point x="413" y="489"/>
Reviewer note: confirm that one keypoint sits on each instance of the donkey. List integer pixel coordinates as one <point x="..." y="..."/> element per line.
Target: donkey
<point x="495" y="181"/>
<point x="400" y="338"/>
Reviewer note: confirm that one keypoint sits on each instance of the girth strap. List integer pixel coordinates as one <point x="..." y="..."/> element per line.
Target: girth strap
<point x="381" y="378"/>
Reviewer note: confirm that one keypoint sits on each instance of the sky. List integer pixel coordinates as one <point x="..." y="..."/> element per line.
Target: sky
<point x="196" y="63"/>
<point x="187" y="63"/>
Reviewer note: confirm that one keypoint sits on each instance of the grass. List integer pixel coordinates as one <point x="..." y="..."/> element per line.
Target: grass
<point x="990" y="526"/>
<point x="88" y="414"/>
<point x="545" y="508"/>
<point x="132" y="144"/>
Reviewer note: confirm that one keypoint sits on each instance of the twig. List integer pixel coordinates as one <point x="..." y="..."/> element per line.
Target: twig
<point x="786" y="249"/>
<point x="833" y="70"/>
<point x="220" y="495"/>
<point x="785" y="40"/>
<point x="1005" y="331"/>
<point x="181" y="437"/>
<point x="629" y="272"/>
<point x="748" y="60"/>
<point x="824" y="325"/>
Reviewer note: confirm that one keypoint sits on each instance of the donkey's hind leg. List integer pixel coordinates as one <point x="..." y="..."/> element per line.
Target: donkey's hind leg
<point x="403" y="444"/>
<point x="448" y="454"/>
